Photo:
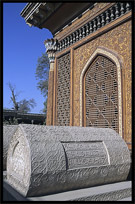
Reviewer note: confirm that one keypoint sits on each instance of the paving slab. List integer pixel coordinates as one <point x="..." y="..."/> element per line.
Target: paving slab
<point x="120" y="191"/>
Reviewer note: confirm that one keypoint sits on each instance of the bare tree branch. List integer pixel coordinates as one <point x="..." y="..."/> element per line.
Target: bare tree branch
<point x="23" y="105"/>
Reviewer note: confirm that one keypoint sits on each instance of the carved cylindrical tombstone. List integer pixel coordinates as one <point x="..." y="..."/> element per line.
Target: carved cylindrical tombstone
<point x="50" y="159"/>
<point x="8" y="131"/>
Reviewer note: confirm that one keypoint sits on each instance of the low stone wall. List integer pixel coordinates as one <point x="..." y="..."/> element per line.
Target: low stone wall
<point x="48" y="159"/>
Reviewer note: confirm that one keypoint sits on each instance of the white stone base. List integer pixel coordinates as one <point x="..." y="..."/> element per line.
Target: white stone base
<point x="111" y="192"/>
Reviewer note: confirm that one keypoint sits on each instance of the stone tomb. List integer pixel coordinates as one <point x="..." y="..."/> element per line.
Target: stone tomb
<point x="49" y="159"/>
<point x="8" y="131"/>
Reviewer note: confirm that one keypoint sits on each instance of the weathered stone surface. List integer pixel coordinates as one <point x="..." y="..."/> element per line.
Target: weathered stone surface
<point x="8" y="131"/>
<point x="109" y="192"/>
<point x="4" y="175"/>
<point x="47" y="159"/>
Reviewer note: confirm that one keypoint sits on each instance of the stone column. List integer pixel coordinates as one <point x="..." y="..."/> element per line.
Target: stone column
<point x="51" y="47"/>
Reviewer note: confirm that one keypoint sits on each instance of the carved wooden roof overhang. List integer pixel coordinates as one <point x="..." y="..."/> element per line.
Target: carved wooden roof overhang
<point x="53" y="16"/>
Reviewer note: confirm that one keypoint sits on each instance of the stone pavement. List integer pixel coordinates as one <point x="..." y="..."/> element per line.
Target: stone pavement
<point x="111" y="192"/>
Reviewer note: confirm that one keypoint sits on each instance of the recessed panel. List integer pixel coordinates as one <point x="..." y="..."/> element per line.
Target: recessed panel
<point x="101" y="94"/>
<point x="85" y="154"/>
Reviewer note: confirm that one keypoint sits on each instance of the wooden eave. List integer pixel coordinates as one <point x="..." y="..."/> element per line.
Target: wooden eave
<point x="53" y="16"/>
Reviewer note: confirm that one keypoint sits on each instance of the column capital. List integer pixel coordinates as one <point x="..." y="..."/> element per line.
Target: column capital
<point x="51" y="48"/>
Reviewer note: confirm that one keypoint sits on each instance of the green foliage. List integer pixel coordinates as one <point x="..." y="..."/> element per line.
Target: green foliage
<point x="42" y="74"/>
<point x="5" y="122"/>
<point x="15" y="121"/>
<point x="26" y="105"/>
<point x="10" y="122"/>
<point x="45" y="107"/>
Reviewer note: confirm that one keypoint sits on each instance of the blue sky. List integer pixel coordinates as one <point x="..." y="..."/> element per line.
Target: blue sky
<point x="22" y="45"/>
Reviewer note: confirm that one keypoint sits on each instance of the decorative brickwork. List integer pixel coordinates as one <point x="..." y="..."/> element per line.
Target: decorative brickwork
<point x="118" y="40"/>
<point x="101" y="93"/>
<point x="114" y="58"/>
<point x="107" y="26"/>
<point x="63" y="91"/>
<point x="109" y="15"/>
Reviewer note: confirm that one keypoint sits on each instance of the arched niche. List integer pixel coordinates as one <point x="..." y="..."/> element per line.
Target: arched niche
<point x="114" y="59"/>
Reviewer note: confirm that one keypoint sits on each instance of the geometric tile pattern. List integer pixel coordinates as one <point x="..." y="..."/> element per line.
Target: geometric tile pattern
<point x="101" y="94"/>
<point x="63" y="91"/>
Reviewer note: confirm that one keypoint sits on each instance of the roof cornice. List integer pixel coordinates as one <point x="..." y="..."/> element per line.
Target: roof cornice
<point x="53" y="15"/>
<point x="36" y="13"/>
